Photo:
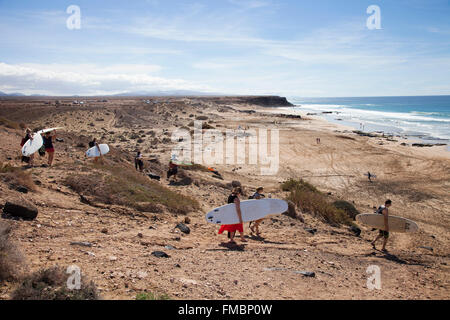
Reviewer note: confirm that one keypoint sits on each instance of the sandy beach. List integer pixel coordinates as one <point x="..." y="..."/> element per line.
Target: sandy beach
<point x="122" y="237"/>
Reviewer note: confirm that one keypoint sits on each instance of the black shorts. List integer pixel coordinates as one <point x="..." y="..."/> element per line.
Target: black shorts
<point x="385" y="234"/>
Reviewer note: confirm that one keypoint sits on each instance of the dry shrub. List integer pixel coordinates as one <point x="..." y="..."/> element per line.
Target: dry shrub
<point x="346" y="137"/>
<point x="310" y="200"/>
<point x="122" y="185"/>
<point x="11" y="260"/>
<point x="194" y="167"/>
<point x="16" y="177"/>
<point x="9" y="124"/>
<point x="349" y="208"/>
<point x="51" y="284"/>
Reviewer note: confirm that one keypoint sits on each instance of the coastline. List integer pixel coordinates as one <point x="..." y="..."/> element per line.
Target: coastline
<point x="437" y="145"/>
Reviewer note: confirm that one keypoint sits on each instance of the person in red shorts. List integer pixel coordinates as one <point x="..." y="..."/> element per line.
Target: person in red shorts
<point x="232" y="228"/>
<point x="48" y="144"/>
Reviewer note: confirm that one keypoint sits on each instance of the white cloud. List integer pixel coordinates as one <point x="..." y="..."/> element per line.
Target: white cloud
<point x="250" y="4"/>
<point x="86" y="79"/>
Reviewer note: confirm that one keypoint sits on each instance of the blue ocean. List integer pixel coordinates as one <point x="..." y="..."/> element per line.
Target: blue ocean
<point x="425" y="118"/>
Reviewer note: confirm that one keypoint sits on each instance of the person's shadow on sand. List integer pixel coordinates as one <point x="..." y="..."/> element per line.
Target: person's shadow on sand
<point x="233" y="246"/>
<point x="391" y="257"/>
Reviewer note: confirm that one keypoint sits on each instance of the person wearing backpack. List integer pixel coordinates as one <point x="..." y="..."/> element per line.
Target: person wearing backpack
<point x="256" y="196"/>
<point x="384" y="210"/>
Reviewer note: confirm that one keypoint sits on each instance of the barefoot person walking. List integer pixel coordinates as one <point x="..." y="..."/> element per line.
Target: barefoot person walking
<point x="232" y="228"/>
<point x="256" y="196"/>
<point x="383" y="233"/>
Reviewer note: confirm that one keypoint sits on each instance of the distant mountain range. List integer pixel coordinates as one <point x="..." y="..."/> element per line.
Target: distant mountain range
<point x="129" y="94"/>
<point x="2" y="94"/>
<point x="164" y="93"/>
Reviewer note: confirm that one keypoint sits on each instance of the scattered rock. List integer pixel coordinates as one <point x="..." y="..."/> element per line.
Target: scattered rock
<point x="160" y="254"/>
<point x="183" y="228"/>
<point x="104" y="230"/>
<point x="306" y="273"/>
<point x="355" y="230"/>
<point x="112" y="258"/>
<point x="22" y="209"/>
<point x="236" y="184"/>
<point x="22" y="189"/>
<point x="187" y="220"/>
<point x="428" y="248"/>
<point x="186" y="181"/>
<point x="312" y="231"/>
<point x="140" y="235"/>
<point x="83" y="244"/>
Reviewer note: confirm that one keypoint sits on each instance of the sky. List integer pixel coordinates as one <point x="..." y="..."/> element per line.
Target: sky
<point x="294" y="48"/>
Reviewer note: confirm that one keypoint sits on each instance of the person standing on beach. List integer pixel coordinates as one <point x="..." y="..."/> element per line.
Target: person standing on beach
<point x="232" y="228"/>
<point x="383" y="233"/>
<point x="256" y="196"/>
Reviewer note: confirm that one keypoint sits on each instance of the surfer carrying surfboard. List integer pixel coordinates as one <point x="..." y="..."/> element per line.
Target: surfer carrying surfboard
<point x="48" y="144"/>
<point x="93" y="144"/>
<point x="256" y="196"/>
<point x="383" y="233"/>
<point x="28" y="136"/>
<point x="232" y="228"/>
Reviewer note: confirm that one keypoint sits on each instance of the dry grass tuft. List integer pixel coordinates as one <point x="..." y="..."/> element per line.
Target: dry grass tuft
<point x="122" y="185"/>
<point x="16" y="177"/>
<point x="312" y="201"/>
<point x="11" y="260"/>
<point x="51" y="284"/>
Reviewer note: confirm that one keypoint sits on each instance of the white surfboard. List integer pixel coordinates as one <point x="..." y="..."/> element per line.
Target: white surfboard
<point x="49" y="130"/>
<point x="93" y="152"/>
<point x="251" y="210"/>
<point x="32" y="145"/>
<point x="396" y="224"/>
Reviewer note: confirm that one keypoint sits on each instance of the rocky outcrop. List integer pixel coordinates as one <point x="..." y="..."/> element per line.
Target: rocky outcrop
<point x="267" y="101"/>
<point x="22" y="209"/>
